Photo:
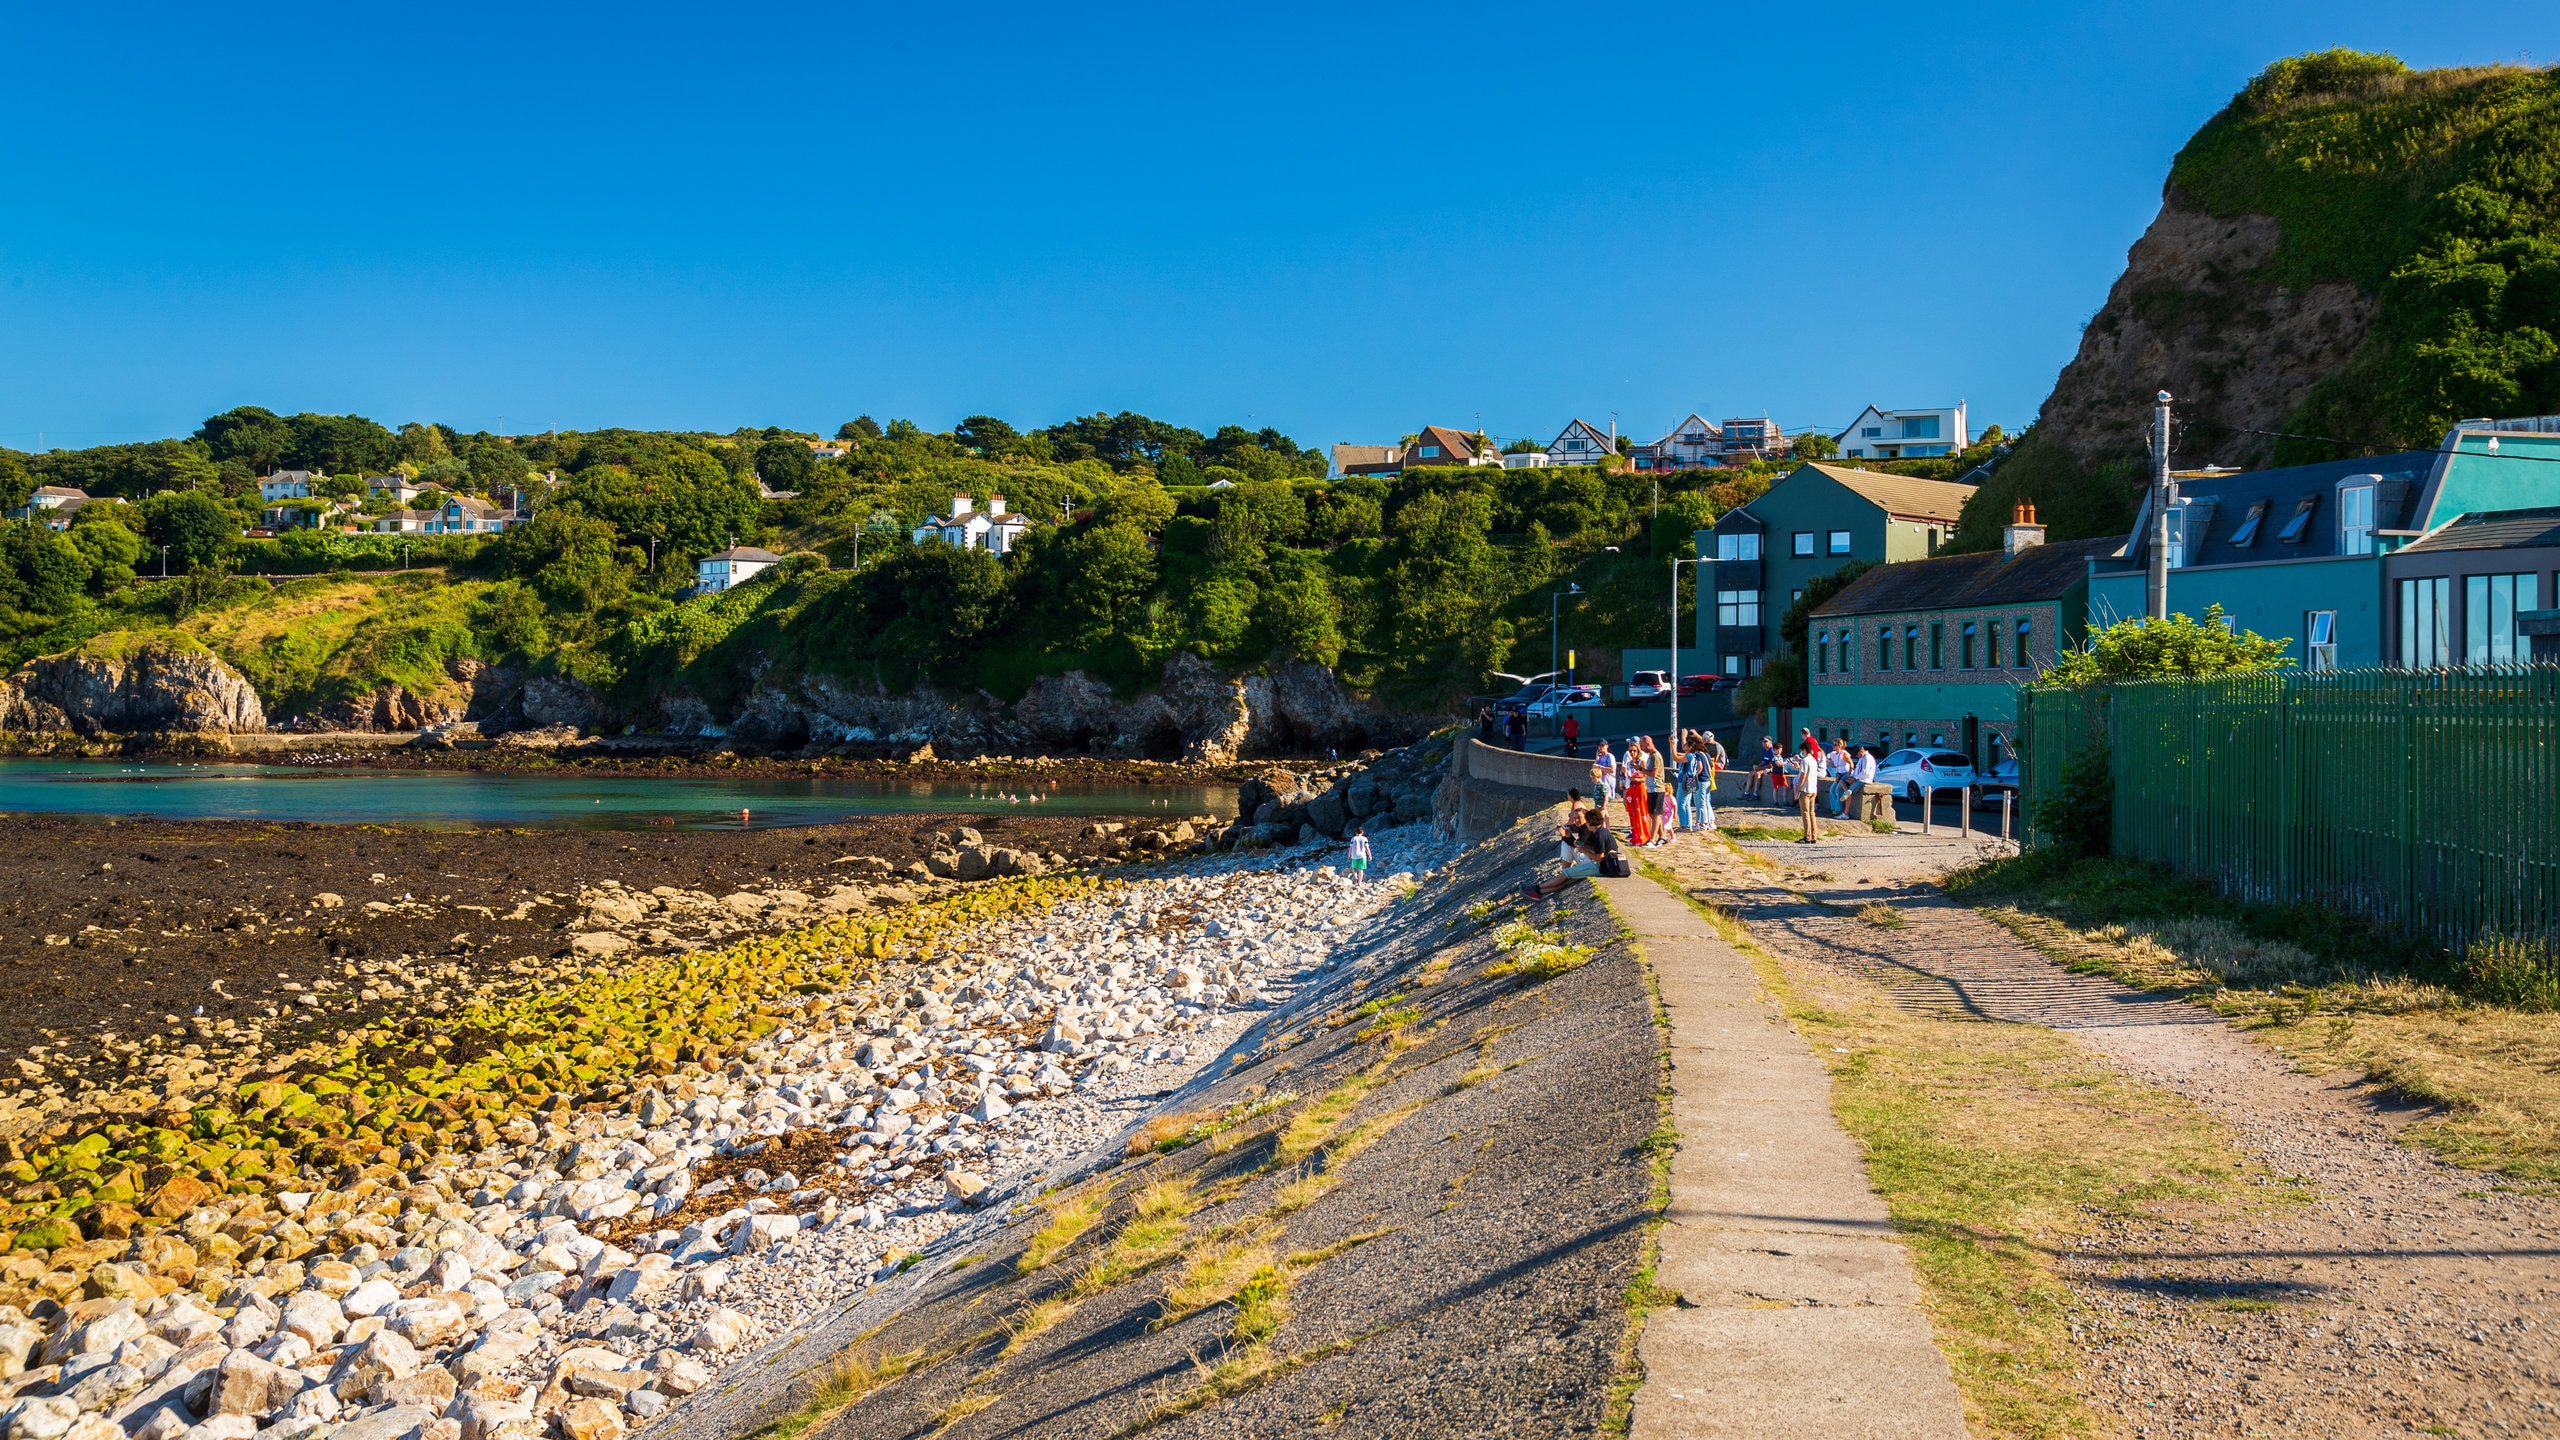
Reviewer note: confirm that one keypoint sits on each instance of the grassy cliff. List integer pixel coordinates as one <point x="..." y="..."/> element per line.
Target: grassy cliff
<point x="2351" y="255"/>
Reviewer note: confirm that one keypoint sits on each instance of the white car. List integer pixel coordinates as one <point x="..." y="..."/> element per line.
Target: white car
<point x="1648" y="685"/>
<point x="1912" y="772"/>
<point x="1564" y="697"/>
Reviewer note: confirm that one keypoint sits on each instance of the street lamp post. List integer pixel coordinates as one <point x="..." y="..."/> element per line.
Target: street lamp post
<point x="1555" y="611"/>
<point x="1676" y="563"/>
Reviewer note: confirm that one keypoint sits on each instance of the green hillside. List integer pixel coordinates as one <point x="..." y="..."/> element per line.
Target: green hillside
<point x="2436" y="193"/>
<point x="1149" y="539"/>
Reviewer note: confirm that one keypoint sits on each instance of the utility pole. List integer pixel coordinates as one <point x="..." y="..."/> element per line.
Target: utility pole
<point x="1676" y="563"/>
<point x="2157" y="591"/>
<point x="1555" y="609"/>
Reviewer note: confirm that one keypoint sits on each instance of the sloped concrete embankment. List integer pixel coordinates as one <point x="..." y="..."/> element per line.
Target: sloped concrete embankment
<point x="1490" y="789"/>
<point x="1413" y="1203"/>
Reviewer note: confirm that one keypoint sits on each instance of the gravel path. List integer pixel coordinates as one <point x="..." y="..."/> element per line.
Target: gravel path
<point x="2406" y="1297"/>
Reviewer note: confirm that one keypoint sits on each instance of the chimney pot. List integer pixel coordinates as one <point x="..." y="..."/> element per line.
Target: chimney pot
<point x="960" y="504"/>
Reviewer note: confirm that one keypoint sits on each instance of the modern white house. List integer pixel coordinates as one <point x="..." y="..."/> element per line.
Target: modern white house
<point x="734" y="566"/>
<point x="1581" y="443"/>
<point x="1879" y="434"/>
<point x="1534" y="460"/>
<point x="1693" y="444"/>
<point x="459" y="515"/>
<point x="286" y="485"/>
<point x="972" y="529"/>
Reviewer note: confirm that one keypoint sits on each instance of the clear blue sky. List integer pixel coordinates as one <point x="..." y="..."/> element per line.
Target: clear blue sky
<point x="1342" y="221"/>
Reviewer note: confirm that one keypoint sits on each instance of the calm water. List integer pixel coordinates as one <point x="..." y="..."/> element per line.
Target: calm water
<point x="470" y="800"/>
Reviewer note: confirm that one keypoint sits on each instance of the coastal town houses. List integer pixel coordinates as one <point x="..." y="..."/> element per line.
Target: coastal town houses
<point x="1693" y="444"/>
<point x="2314" y="553"/>
<point x="459" y="515"/>
<point x="1349" y="460"/>
<point x="731" y="567"/>
<point x="1905" y="434"/>
<point x="1930" y="652"/>
<point x="54" y="506"/>
<point x="1811" y="521"/>
<point x="966" y="527"/>
<point x="1440" y="445"/>
<point x="286" y="485"/>
<point x="1581" y="443"/>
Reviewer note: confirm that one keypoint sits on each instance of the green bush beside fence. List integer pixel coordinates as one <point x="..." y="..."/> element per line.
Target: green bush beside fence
<point x="2427" y="801"/>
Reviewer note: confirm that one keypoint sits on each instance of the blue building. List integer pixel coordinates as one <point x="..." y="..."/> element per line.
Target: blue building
<point x="2298" y="553"/>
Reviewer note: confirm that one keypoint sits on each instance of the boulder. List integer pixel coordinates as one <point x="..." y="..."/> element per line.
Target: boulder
<point x="165" y="683"/>
<point x="246" y="1385"/>
<point x="400" y="1422"/>
<point x="589" y="1419"/>
<point x="1328" y="813"/>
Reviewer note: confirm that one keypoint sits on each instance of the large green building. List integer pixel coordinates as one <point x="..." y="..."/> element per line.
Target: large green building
<point x="1931" y="653"/>
<point x="1814" y="520"/>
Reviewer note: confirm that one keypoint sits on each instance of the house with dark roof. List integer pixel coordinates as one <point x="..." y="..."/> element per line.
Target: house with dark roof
<point x="2468" y="592"/>
<point x="2298" y="552"/>
<point x="1813" y="520"/>
<point x="1581" y="443"/>
<point x="1931" y="652"/>
<point x="1367" y="460"/>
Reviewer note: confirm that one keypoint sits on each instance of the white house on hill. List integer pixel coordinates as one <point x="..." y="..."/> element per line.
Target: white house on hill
<point x="970" y="528"/>
<point x="1581" y="443"/>
<point x="734" y="566"/>
<point x="1905" y="434"/>
<point x="286" y="485"/>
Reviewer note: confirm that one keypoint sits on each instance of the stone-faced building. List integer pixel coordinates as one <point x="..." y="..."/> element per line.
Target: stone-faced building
<point x="1931" y="652"/>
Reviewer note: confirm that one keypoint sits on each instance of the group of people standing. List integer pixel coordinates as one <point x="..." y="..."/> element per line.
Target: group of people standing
<point x="1809" y="774"/>
<point x="1663" y="794"/>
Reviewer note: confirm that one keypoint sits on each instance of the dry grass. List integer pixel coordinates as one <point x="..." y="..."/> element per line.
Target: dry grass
<point x="2494" y="1070"/>
<point x="961" y="1409"/>
<point x="849" y="1379"/>
<point x="1993" y="1145"/>
<point x="1312" y="1126"/>
<point x="1166" y="1129"/>
<point x="1031" y="1320"/>
<point x="1070" y="1219"/>
<point x="1214" y="1274"/>
<point x="1880" y="915"/>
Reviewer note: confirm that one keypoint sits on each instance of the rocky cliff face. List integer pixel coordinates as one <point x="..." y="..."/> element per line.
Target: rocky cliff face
<point x="1197" y="715"/>
<point x="151" y="688"/>
<point x="2195" y="313"/>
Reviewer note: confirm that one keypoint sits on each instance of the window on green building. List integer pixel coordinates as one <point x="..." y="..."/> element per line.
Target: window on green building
<point x="1884" y="647"/>
<point x="1965" y="645"/>
<point x="1822" y="652"/>
<point x="1910" y="647"/>
<point x="1937" y="647"/>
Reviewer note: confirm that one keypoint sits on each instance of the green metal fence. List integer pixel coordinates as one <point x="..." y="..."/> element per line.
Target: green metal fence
<point x="2427" y="800"/>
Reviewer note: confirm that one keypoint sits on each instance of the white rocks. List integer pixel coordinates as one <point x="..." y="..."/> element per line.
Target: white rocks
<point x="40" y="1418"/>
<point x="370" y="1298"/>
<point x="247" y="1385"/>
<point x="723" y="1330"/>
<point x="224" y="1427"/>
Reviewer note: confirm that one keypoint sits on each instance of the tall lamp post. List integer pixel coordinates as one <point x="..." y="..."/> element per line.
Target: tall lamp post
<point x="1555" y="612"/>
<point x="1676" y="563"/>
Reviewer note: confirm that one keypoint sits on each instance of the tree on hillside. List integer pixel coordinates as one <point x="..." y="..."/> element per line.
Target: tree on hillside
<point x="196" y="526"/>
<point x="16" y="482"/>
<point x="255" y="436"/>
<point x="336" y="443"/>
<point x="784" y="464"/>
<point x="1813" y="445"/>
<point x="105" y="537"/>
<point x="1121" y="440"/>
<point x="859" y="428"/>
<point x="1141" y="505"/>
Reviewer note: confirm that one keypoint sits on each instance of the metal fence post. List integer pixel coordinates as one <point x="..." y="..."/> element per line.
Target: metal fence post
<point x="1964" y="813"/>
<point x="2007" y="799"/>
<point x="1928" y="809"/>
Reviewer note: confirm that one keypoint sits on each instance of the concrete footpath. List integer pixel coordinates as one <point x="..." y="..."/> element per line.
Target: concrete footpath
<point x="1798" y="1313"/>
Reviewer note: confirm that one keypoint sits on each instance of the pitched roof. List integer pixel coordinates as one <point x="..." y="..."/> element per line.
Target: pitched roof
<point x="1348" y="455"/>
<point x="2494" y="530"/>
<point x="1901" y="494"/>
<point x="1454" y="444"/>
<point x="62" y="492"/>
<point x="746" y="552"/>
<point x="2228" y="498"/>
<point x="1985" y="577"/>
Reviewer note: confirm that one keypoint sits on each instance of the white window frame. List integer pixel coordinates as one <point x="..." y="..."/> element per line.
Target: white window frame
<point x="2320" y="641"/>
<point x="2355" y="519"/>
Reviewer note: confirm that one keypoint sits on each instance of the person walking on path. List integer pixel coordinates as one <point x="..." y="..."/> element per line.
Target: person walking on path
<point x="1518" y="729"/>
<point x="1359" y="853"/>
<point x="1810" y="766"/>
<point x="1572" y="730"/>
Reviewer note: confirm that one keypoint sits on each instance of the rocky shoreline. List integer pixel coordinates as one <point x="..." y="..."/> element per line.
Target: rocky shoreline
<point x="555" y="1199"/>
